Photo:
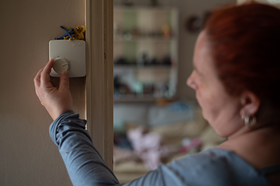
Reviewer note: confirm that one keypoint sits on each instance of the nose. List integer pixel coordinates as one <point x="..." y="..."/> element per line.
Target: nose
<point x="190" y="82"/>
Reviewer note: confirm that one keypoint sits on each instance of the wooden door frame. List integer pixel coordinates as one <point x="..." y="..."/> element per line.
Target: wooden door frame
<point x="99" y="78"/>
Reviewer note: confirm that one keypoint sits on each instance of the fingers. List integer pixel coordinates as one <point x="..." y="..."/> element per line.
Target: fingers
<point x="45" y="75"/>
<point x="38" y="78"/>
<point x="37" y="82"/>
<point x="64" y="81"/>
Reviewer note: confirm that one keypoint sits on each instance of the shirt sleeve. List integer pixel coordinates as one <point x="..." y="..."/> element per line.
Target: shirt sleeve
<point x="84" y="164"/>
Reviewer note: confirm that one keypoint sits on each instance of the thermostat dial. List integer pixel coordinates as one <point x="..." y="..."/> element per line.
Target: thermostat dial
<point x="60" y="65"/>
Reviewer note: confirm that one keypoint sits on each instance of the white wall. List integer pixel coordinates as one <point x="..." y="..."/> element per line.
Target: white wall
<point x="187" y="40"/>
<point x="28" y="156"/>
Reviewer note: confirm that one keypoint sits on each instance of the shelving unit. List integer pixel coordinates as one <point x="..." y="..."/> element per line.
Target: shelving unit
<point x="145" y="53"/>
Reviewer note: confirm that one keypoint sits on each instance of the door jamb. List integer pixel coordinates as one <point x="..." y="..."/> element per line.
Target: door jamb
<point x="99" y="79"/>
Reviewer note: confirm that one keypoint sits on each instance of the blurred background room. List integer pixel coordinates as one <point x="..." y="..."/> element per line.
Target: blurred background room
<point x="156" y="116"/>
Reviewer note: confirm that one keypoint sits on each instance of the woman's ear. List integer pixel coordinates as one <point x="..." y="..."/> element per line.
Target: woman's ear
<point x="250" y="104"/>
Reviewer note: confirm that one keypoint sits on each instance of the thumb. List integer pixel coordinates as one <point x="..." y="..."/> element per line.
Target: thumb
<point x="64" y="81"/>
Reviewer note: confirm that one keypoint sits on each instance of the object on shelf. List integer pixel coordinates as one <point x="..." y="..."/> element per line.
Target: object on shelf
<point x="121" y="87"/>
<point x="124" y="89"/>
<point x="188" y="145"/>
<point x="154" y="2"/>
<point x="164" y="101"/>
<point x="161" y="89"/>
<point x="128" y="2"/>
<point x="195" y="23"/>
<point x="121" y="61"/>
<point x="135" y="33"/>
<point x="166" y="31"/>
<point x="149" y="146"/>
<point x="137" y="87"/>
<point x="148" y="89"/>
<point x="154" y="61"/>
<point x="73" y="33"/>
<point x="117" y="95"/>
<point x="121" y="140"/>
<point x="143" y="60"/>
<point x="117" y="83"/>
<point x="127" y="36"/>
<point x="179" y="106"/>
<point x="166" y="60"/>
<point x="155" y="34"/>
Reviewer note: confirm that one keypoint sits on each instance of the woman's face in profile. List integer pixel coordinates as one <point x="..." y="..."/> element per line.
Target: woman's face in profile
<point x="220" y="109"/>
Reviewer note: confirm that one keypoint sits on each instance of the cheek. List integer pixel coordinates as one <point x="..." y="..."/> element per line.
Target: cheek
<point x="220" y="111"/>
<point x="204" y="94"/>
<point x="228" y="120"/>
<point x="209" y="103"/>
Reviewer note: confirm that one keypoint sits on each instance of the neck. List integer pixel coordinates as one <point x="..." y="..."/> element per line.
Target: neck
<point x="260" y="145"/>
<point x="258" y="130"/>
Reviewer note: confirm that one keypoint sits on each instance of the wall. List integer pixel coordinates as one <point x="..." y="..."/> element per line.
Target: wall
<point x="28" y="156"/>
<point x="186" y="40"/>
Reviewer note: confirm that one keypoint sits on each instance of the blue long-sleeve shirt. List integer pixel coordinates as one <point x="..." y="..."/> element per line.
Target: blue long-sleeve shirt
<point x="213" y="167"/>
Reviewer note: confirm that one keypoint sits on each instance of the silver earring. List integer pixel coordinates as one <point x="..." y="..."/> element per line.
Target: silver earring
<point x="248" y="122"/>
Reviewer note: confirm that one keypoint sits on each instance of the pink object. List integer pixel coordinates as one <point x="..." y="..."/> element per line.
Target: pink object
<point x="196" y="142"/>
<point x="148" y="146"/>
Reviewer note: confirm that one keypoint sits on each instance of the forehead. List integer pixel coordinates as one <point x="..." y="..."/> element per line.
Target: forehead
<point x="203" y="60"/>
<point x="202" y="47"/>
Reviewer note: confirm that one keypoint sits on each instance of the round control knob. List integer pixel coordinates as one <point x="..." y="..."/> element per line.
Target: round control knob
<point x="60" y="65"/>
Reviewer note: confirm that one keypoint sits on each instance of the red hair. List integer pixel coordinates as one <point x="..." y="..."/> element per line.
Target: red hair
<point x="245" y="45"/>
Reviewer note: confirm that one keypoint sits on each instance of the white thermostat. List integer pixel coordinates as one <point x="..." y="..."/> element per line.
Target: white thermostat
<point x="68" y="55"/>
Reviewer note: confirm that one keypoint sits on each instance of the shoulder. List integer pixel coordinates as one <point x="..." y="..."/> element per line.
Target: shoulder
<point x="213" y="167"/>
<point x="205" y="160"/>
<point x="217" y="167"/>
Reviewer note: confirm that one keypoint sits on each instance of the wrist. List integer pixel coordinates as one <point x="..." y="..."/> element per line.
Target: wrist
<point x="55" y="114"/>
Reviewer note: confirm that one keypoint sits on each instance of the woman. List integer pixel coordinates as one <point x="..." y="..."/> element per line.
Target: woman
<point x="236" y="78"/>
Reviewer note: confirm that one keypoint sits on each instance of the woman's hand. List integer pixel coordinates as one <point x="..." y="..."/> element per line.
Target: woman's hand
<point x="55" y="100"/>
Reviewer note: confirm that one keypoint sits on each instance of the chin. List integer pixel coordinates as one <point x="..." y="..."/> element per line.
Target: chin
<point x="220" y="133"/>
<point x="204" y="115"/>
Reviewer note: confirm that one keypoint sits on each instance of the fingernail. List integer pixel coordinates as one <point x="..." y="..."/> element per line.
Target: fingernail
<point x="65" y="72"/>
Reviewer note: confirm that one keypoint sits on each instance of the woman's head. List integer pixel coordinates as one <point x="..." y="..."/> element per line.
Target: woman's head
<point x="239" y="47"/>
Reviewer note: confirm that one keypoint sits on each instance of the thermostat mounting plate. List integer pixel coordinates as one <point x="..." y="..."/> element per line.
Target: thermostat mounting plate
<point x="72" y="52"/>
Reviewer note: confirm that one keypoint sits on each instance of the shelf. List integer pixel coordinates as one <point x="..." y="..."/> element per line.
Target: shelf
<point x="136" y="98"/>
<point x="143" y="67"/>
<point x="139" y="98"/>
<point x="148" y="35"/>
<point x="143" y="8"/>
<point x="144" y="39"/>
